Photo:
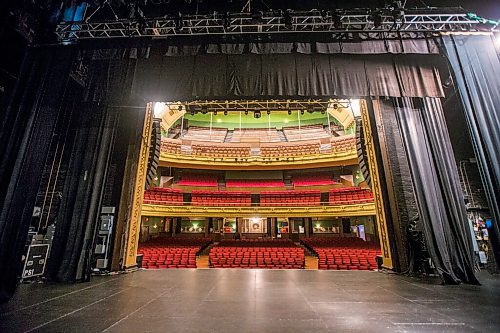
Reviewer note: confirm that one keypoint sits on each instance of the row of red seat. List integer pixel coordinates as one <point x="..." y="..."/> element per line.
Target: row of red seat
<point x="290" y="198"/>
<point x="313" y="180"/>
<point x="267" y="198"/>
<point x="254" y="183"/>
<point x="171" y="252"/>
<point x="344" y="253"/>
<point x="269" y="254"/>
<point x="198" y="179"/>
<point x="350" y="195"/>
<point x="160" y="195"/>
<point x="220" y="198"/>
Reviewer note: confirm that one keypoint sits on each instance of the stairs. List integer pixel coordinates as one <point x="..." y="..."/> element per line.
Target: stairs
<point x="311" y="263"/>
<point x="229" y="136"/>
<point x="311" y="260"/>
<point x="202" y="262"/>
<point x="282" y="136"/>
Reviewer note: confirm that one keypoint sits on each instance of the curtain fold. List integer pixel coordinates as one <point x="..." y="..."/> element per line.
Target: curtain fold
<point x="435" y="180"/>
<point x="222" y="76"/>
<point x="35" y="108"/>
<point x="476" y="68"/>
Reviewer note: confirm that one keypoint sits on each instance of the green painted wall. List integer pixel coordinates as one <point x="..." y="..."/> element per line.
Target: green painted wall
<point x="278" y="120"/>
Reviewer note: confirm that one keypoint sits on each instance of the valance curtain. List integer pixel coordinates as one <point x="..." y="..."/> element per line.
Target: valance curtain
<point x="210" y="76"/>
<point x="437" y="189"/>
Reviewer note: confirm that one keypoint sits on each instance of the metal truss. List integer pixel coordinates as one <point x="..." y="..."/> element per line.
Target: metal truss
<point x="311" y="105"/>
<point x="408" y="21"/>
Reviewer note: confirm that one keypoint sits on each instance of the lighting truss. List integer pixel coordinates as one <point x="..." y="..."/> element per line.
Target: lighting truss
<point x="264" y="105"/>
<point x="410" y="21"/>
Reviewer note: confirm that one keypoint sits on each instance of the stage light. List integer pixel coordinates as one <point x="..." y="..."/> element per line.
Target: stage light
<point x="301" y="112"/>
<point x="179" y="108"/>
<point x="377" y="19"/>
<point x="310" y="109"/>
<point x="289" y="112"/>
<point x="335" y="106"/>
<point x="158" y="109"/>
<point x="355" y="107"/>
<point x="225" y="112"/>
<point x="287" y="20"/>
<point x="226" y="21"/>
<point x="337" y="21"/>
<point x="204" y="109"/>
<point x="215" y="112"/>
<point x="246" y="112"/>
<point x="192" y="112"/>
<point x="257" y="114"/>
<point x="325" y="15"/>
<point x="268" y="112"/>
<point x="179" y="22"/>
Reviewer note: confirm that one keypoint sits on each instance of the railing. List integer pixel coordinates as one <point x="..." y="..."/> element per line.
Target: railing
<point x="258" y="204"/>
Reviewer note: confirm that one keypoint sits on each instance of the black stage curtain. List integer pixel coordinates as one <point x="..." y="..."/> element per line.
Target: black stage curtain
<point x="476" y="66"/>
<point x="94" y="137"/>
<point x="210" y="76"/>
<point x="437" y="189"/>
<point x="26" y="133"/>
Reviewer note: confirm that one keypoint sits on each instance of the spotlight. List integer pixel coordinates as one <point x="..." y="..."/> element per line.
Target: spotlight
<point x="268" y="112"/>
<point x="257" y="114"/>
<point x="179" y="22"/>
<point x="192" y="112"/>
<point x="287" y="20"/>
<point x="323" y="111"/>
<point x="325" y="15"/>
<point x="225" y="112"/>
<point x="289" y="112"/>
<point x="310" y="109"/>
<point x="377" y="19"/>
<point x="215" y="112"/>
<point x="335" y="106"/>
<point x="337" y="21"/>
<point x="180" y="108"/>
<point x="301" y="112"/>
<point x="226" y="21"/>
<point x="204" y="109"/>
<point x="246" y="112"/>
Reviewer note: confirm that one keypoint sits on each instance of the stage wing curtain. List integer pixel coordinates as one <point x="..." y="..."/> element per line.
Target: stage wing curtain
<point x="437" y="189"/>
<point x="292" y="74"/>
<point x="26" y="134"/>
<point x="476" y="67"/>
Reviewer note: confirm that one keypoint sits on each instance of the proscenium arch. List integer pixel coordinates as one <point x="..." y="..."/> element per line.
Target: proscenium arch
<point x="174" y="113"/>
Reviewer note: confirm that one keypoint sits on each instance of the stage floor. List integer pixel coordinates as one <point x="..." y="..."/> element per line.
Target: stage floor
<point x="231" y="300"/>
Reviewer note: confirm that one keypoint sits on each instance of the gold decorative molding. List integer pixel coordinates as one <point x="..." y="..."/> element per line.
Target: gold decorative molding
<point x="281" y="211"/>
<point x="259" y="163"/>
<point x="376" y="187"/>
<point x="140" y="181"/>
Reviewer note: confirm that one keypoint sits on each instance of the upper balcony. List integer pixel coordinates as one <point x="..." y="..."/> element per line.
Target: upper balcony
<point x="258" y="134"/>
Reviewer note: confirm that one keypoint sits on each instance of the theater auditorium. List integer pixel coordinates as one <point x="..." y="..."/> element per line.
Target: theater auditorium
<point x="253" y="166"/>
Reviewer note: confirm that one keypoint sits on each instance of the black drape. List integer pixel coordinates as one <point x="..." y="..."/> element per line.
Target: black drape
<point x="94" y="137"/>
<point x="440" y="201"/>
<point x="25" y="138"/>
<point x="210" y="76"/>
<point x="476" y="67"/>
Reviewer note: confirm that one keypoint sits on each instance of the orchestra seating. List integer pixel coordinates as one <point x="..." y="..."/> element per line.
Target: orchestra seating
<point x="312" y="179"/>
<point x="269" y="254"/>
<point x="254" y="183"/>
<point x="344" y="253"/>
<point x="198" y="179"/>
<point x="350" y="195"/>
<point x="171" y="252"/>
<point x="290" y="198"/>
<point x="309" y="132"/>
<point x="262" y="134"/>
<point x="219" y="198"/>
<point x="343" y="143"/>
<point x="163" y="196"/>
<point x="170" y="146"/>
<point x="205" y="134"/>
<point x="226" y="150"/>
<point x="286" y="149"/>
